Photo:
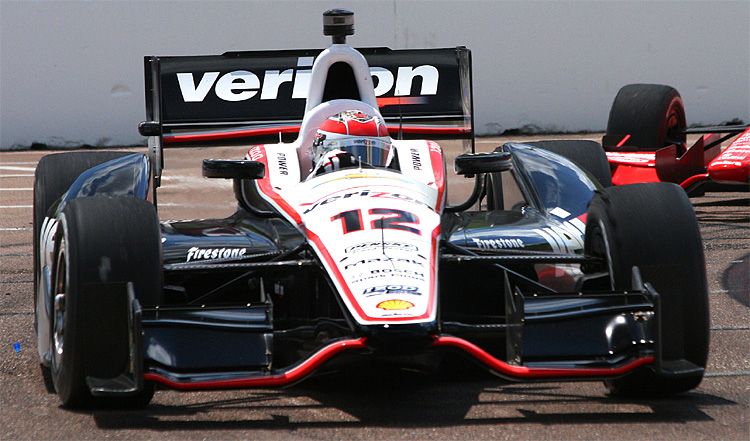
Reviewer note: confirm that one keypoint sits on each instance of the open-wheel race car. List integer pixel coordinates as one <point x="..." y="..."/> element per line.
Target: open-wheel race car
<point x="343" y="248"/>
<point x="646" y="141"/>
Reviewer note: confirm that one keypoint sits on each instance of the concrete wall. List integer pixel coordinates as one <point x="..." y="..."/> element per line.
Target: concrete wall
<point x="71" y="71"/>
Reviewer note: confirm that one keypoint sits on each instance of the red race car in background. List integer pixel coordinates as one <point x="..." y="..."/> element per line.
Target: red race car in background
<point x="646" y="141"/>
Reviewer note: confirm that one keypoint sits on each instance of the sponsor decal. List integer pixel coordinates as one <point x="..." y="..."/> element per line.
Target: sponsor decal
<point x="242" y="85"/>
<point x="496" y="244"/>
<point x="363" y="193"/>
<point x="416" y="161"/>
<point x="369" y="246"/>
<point x="196" y="253"/>
<point x="388" y="272"/>
<point x="382" y="259"/>
<point x="395" y="304"/>
<point x="396" y="271"/>
<point x="391" y="289"/>
<point x="256" y="154"/>
<point x="283" y="167"/>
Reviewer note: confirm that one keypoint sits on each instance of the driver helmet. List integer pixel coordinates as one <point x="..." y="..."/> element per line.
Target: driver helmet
<point x="363" y="136"/>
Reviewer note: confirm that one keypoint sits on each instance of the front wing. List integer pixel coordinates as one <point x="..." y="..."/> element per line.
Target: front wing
<point x="539" y="334"/>
<point x="700" y="166"/>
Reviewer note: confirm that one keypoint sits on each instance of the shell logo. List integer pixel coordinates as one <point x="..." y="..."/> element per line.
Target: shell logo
<point x="395" y="304"/>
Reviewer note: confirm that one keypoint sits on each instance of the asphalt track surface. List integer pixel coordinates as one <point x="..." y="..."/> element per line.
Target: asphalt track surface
<point x="375" y="404"/>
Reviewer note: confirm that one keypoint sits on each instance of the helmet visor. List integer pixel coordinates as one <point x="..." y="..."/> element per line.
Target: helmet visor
<point x="373" y="151"/>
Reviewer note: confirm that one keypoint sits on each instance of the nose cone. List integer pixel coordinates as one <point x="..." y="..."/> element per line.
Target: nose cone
<point x="400" y="339"/>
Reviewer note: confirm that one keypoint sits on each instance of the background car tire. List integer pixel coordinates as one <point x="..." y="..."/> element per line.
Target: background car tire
<point x="104" y="240"/>
<point x="651" y="114"/>
<point x="587" y="154"/>
<point x="653" y="226"/>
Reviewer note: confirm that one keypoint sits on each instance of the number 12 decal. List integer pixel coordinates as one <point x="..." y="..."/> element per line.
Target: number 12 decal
<point x="389" y="218"/>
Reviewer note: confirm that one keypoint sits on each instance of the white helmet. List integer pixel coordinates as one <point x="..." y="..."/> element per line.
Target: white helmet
<point x="363" y="136"/>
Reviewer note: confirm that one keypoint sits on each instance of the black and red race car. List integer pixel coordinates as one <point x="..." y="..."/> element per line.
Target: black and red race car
<point x="646" y="141"/>
<point x="342" y="247"/>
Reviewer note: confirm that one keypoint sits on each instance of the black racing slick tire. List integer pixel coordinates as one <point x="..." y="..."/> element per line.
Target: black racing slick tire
<point x="104" y="244"/>
<point x="645" y="117"/>
<point x="653" y="226"/>
<point x="587" y="154"/>
<point x="54" y="175"/>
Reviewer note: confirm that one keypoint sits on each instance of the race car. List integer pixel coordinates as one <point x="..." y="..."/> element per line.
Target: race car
<point x="646" y="141"/>
<point x="343" y="249"/>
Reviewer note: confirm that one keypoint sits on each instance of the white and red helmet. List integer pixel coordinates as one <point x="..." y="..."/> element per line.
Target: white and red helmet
<point x="364" y="136"/>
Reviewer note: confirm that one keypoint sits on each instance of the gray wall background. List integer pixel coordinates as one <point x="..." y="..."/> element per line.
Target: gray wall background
<point x="71" y="71"/>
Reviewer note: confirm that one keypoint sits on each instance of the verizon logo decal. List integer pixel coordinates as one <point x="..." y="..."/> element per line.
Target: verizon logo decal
<point x="242" y="85"/>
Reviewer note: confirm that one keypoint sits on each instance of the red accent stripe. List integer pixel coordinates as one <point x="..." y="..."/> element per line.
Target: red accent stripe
<point x="431" y="130"/>
<point x="621" y="143"/>
<point x="406" y="100"/>
<point x="433" y="271"/>
<point x="231" y="134"/>
<point x="530" y="372"/>
<point x="326" y="256"/>
<point x="438" y="170"/>
<point x="309" y="365"/>
<point x="268" y="190"/>
<point x="213" y="136"/>
<point x="293" y="375"/>
<point x="694" y="179"/>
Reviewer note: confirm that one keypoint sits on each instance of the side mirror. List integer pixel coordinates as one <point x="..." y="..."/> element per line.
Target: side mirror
<point x="475" y="163"/>
<point x="233" y="169"/>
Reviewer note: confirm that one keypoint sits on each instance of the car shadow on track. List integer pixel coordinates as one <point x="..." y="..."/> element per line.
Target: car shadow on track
<point x="742" y="201"/>
<point x="736" y="280"/>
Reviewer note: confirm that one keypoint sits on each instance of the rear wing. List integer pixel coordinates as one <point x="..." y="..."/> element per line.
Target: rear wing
<point x="253" y="97"/>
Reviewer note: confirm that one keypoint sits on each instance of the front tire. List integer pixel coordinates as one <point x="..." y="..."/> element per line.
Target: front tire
<point x="102" y="240"/>
<point x="54" y="175"/>
<point x="653" y="226"/>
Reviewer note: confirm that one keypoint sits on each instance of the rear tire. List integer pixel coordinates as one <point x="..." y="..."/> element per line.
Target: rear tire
<point x="589" y="155"/>
<point x="652" y="115"/>
<point x="103" y="240"/>
<point x="653" y="226"/>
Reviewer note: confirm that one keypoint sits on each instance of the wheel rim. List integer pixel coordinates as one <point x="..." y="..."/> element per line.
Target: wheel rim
<point x="58" y="316"/>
